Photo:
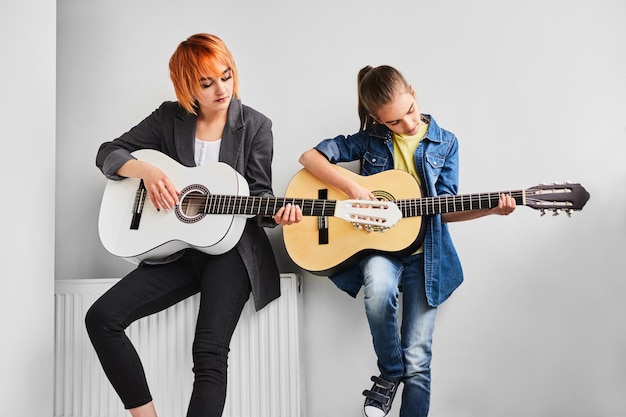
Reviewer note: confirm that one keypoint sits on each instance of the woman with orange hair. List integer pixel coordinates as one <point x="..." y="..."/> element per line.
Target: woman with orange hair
<point x="207" y="124"/>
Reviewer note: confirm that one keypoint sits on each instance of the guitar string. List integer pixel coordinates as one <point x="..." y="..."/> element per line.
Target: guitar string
<point x="416" y="206"/>
<point x="453" y="203"/>
<point x="253" y="204"/>
<point x="426" y="205"/>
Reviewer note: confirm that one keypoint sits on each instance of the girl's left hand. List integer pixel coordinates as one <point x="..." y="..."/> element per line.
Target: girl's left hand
<point x="506" y="205"/>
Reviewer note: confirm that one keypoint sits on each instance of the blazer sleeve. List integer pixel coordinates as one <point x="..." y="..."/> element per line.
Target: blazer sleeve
<point x="148" y="134"/>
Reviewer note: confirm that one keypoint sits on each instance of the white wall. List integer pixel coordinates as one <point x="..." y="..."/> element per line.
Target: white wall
<point x="27" y="117"/>
<point x="534" y="90"/>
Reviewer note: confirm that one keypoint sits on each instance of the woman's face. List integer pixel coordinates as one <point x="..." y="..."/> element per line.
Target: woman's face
<point x="401" y="115"/>
<point x="216" y="92"/>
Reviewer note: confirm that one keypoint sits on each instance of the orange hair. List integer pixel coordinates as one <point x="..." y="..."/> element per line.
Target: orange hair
<point x="196" y="58"/>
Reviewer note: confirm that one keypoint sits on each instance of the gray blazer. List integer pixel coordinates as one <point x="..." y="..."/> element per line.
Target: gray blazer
<point x="247" y="146"/>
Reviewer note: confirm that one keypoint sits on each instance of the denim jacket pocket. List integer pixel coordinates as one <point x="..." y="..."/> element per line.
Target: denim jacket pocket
<point x="373" y="163"/>
<point x="435" y="162"/>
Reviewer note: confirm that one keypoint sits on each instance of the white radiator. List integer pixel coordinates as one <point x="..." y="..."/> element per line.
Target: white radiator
<point x="264" y="365"/>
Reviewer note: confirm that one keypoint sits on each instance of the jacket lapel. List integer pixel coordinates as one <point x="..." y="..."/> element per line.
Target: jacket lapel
<point x="184" y="137"/>
<point x="185" y="131"/>
<point x="232" y="139"/>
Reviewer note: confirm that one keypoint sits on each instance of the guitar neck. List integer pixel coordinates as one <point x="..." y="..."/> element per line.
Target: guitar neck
<point x="454" y="203"/>
<point x="266" y="206"/>
<point x="368" y="214"/>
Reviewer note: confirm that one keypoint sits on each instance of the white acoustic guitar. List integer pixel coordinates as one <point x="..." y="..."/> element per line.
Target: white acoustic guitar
<point x="214" y="205"/>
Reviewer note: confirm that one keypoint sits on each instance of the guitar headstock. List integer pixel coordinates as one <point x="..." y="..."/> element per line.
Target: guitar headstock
<point x="373" y="216"/>
<point x="556" y="197"/>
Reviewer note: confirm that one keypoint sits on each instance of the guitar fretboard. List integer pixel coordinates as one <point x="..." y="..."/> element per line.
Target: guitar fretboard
<point x="267" y="206"/>
<point x="454" y="203"/>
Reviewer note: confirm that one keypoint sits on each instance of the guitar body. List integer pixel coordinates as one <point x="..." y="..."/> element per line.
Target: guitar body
<point x="159" y="234"/>
<point x="346" y="244"/>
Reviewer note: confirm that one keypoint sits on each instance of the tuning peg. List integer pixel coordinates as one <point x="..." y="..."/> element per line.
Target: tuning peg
<point x="543" y="212"/>
<point x="555" y="212"/>
<point x="569" y="212"/>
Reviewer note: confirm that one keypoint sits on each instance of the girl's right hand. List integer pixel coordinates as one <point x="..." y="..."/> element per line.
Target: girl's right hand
<point x="358" y="192"/>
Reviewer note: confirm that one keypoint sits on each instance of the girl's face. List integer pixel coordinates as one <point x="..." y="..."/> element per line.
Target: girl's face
<point x="401" y="115"/>
<point x="215" y="92"/>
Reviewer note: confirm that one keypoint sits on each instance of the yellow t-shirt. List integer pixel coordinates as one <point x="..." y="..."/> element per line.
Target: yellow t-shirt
<point x="404" y="147"/>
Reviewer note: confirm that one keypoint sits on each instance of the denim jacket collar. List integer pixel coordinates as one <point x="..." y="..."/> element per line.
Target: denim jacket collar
<point x="433" y="134"/>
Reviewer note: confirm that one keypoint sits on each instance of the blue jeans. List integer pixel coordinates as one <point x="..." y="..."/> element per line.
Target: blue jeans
<point x="403" y="350"/>
<point x="224" y="288"/>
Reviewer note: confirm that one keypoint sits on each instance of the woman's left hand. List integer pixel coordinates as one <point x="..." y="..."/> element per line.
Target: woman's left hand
<point x="288" y="214"/>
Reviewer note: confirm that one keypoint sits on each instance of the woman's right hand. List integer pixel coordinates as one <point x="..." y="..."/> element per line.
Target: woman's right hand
<point x="161" y="191"/>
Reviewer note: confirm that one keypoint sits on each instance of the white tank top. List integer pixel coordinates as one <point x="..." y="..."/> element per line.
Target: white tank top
<point x="207" y="151"/>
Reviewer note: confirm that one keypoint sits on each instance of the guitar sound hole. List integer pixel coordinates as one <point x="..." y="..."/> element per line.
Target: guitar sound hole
<point x="192" y="205"/>
<point x="192" y="202"/>
<point x="382" y="195"/>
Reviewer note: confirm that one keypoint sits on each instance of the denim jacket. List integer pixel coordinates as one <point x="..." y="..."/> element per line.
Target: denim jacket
<point x="436" y="159"/>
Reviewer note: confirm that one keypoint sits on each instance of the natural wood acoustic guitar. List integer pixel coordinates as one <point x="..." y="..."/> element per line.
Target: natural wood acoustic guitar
<point x="325" y="245"/>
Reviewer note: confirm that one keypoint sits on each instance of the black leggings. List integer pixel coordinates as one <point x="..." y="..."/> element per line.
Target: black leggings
<point x="224" y="288"/>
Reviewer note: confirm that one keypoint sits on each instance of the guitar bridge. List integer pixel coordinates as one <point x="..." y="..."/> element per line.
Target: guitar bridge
<point x="140" y="201"/>
<point x="322" y="221"/>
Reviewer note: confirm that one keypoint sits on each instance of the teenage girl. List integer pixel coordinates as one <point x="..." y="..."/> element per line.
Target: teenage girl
<point x="395" y="135"/>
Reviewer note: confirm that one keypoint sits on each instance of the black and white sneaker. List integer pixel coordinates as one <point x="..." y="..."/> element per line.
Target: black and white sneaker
<point x="378" y="400"/>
